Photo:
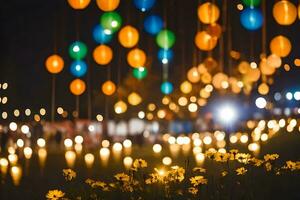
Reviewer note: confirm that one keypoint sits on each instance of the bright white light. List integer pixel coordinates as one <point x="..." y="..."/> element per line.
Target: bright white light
<point x="117" y="146"/>
<point x="20" y="143"/>
<point x="91" y="128"/>
<point x="227" y="114"/>
<point x="167" y="161"/>
<point x="13" y="126"/>
<point x="289" y="96"/>
<point x="76" y="48"/>
<point x="164" y="61"/>
<point x="68" y="143"/>
<point x="78" y="139"/>
<point x="157" y="148"/>
<point x="41" y="142"/>
<point x="297" y="95"/>
<point x="107" y="31"/>
<point x="114" y="24"/>
<point x="141" y="115"/>
<point x="25" y="129"/>
<point x="127" y="143"/>
<point x="260" y="102"/>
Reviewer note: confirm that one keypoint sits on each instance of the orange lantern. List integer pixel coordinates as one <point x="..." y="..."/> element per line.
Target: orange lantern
<point x="136" y="58"/>
<point x="265" y="68"/>
<point x="274" y="61"/>
<point x="128" y="36"/>
<point x="281" y="46"/>
<point x="205" y="42"/>
<point x="219" y="79"/>
<point x="108" y="5"/>
<point x="54" y="64"/>
<point x="208" y="13"/>
<point x="285" y="12"/>
<point x="263" y="89"/>
<point x="79" y="4"/>
<point x="214" y="30"/>
<point x="108" y="88"/>
<point x="77" y="87"/>
<point x="102" y="54"/>
<point x="193" y="75"/>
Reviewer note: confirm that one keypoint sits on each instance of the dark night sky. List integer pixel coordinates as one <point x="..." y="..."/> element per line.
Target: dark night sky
<point x="31" y="29"/>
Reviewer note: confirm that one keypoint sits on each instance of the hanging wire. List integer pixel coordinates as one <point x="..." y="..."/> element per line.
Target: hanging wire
<point x="229" y="38"/>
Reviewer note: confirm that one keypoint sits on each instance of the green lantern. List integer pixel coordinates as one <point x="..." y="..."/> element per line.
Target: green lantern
<point x="251" y="3"/>
<point x="77" y="50"/>
<point x="140" y="73"/>
<point x="111" y="22"/>
<point x="165" y="39"/>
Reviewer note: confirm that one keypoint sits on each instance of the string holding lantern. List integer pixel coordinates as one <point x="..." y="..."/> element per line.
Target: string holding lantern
<point x="100" y="36"/>
<point x="281" y="46"/>
<point x="79" y="4"/>
<point x="144" y="5"/>
<point x="284" y="12"/>
<point x="78" y="68"/>
<point x="102" y="54"/>
<point x="139" y="73"/>
<point x="54" y="64"/>
<point x="205" y="42"/>
<point x="77" y="87"/>
<point x="153" y="24"/>
<point x="136" y="58"/>
<point x="208" y="13"/>
<point x="108" y="5"/>
<point x="165" y="39"/>
<point x="128" y="36"/>
<point x="77" y="50"/>
<point x="108" y="88"/>
<point x="251" y="19"/>
<point x="111" y="22"/>
<point x="166" y="87"/>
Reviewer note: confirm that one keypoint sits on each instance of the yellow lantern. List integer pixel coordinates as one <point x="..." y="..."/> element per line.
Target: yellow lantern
<point x="186" y="87"/>
<point x="208" y="13"/>
<point x="193" y="75"/>
<point x="281" y="46"/>
<point x="77" y="87"/>
<point x="134" y="99"/>
<point x="108" y="88"/>
<point x="128" y="36"/>
<point x="54" y="64"/>
<point x="204" y="93"/>
<point x="120" y="107"/>
<point x="202" y="68"/>
<point x="102" y="54"/>
<point x="285" y="12"/>
<point x="263" y="89"/>
<point x="136" y="58"/>
<point x="206" y="78"/>
<point x="219" y="79"/>
<point x="265" y="68"/>
<point x="244" y="67"/>
<point x="252" y="75"/>
<point x="79" y="4"/>
<point x="205" y="42"/>
<point x="108" y="5"/>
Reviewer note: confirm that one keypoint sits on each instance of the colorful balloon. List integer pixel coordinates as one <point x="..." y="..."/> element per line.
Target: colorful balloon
<point x="136" y="58"/>
<point x="111" y="22"/>
<point x="102" y="54"/>
<point x="153" y="24"/>
<point x="108" y="88"/>
<point x="251" y="19"/>
<point x="281" y="46"/>
<point x="165" y="39"/>
<point x="79" y="4"/>
<point x="165" y="55"/>
<point x="128" y="36"/>
<point x="208" y="13"/>
<point x="77" y="87"/>
<point x="77" y="50"/>
<point x="140" y="73"/>
<point x="100" y="36"/>
<point x="166" y="87"/>
<point x="108" y="5"/>
<point x="54" y="64"/>
<point x="144" y="5"/>
<point x="285" y="12"/>
<point x="251" y="3"/>
<point x="78" y="68"/>
<point x="205" y="42"/>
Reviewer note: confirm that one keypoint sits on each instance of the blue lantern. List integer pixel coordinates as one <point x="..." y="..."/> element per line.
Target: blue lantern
<point x="144" y="5"/>
<point x="78" y="68"/>
<point x="165" y="55"/>
<point x="100" y="36"/>
<point x="153" y="24"/>
<point x="166" y="87"/>
<point x="251" y="19"/>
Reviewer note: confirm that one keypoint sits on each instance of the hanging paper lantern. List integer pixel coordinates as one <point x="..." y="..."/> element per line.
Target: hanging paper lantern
<point x="244" y="67"/>
<point x="219" y="79"/>
<point x="111" y="22"/>
<point x="79" y="4"/>
<point x="77" y="87"/>
<point x="208" y="13"/>
<point x="165" y="39"/>
<point x="153" y="24"/>
<point x="251" y="19"/>
<point x="166" y="87"/>
<point x="108" y="88"/>
<point x="281" y="46"/>
<point x="136" y="58"/>
<point x="54" y="64"/>
<point x="265" y="68"/>
<point x="263" y="89"/>
<point x="78" y="68"/>
<point x="140" y="73"/>
<point x="134" y="99"/>
<point x="215" y="30"/>
<point x="165" y="55"/>
<point x="100" y="36"/>
<point x="77" y="50"/>
<point x="120" y="107"/>
<point x="285" y="12"/>
<point x="206" y="78"/>
<point x="144" y="5"/>
<point x="128" y="36"/>
<point x="108" y="5"/>
<point x="205" y="42"/>
<point x="186" y="87"/>
<point x="102" y="54"/>
<point x="252" y="75"/>
<point x="251" y="3"/>
<point x="274" y="61"/>
<point x="193" y="75"/>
